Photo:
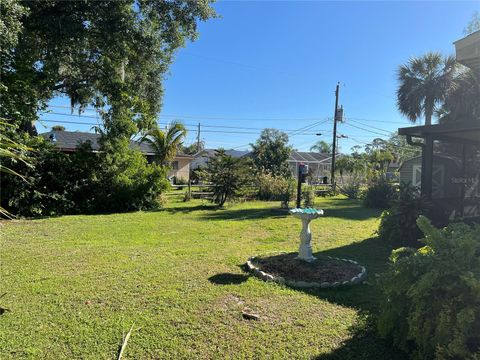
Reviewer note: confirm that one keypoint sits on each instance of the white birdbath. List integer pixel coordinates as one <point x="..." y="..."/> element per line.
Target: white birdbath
<point x="306" y="215"/>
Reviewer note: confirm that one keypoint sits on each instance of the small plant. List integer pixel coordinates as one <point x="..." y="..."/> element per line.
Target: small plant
<point x="351" y="188"/>
<point x="187" y="196"/>
<point x="431" y="297"/>
<point x="229" y="175"/>
<point x="379" y="195"/>
<point x="308" y="195"/>
<point x="288" y="194"/>
<point x="398" y="225"/>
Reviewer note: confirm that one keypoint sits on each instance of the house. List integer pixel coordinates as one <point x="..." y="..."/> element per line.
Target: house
<point x="467" y="51"/>
<point x="201" y="158"/>
<point x="68" y="141"/>
<point x="319" y="164"/>
<point x="448" y="172"/>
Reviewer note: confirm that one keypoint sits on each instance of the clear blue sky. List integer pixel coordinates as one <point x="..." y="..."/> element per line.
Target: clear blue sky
<point x="276" y="64"/>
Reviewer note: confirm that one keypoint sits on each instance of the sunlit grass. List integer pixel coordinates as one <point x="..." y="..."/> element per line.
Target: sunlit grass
<point x="76" y="284"/>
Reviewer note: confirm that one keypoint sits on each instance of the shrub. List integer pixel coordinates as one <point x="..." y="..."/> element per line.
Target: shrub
<point x="82" y="182"/>
<point x="351" y="188"/>
<point x="180" y="181"/>
<point x="431" y="296"/>
<point x="270" y="187"/>
<point x="379" y="195"/>
<point x="308" y="196"/>
<point x="288" y="194"/>
<point x="398" y="225"/>
<point x="229" y="175"/>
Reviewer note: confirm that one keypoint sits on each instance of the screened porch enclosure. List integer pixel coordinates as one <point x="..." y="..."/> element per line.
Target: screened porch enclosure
<point x="449" y="172"/>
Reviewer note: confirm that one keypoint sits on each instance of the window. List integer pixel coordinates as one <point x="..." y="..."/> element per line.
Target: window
<point x="174" y="165"/>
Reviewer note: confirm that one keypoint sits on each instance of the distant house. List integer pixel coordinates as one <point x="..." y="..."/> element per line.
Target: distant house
<point x="68" y="141"/>
<point x="319" y="164"/>
<point x="201" y="158"/>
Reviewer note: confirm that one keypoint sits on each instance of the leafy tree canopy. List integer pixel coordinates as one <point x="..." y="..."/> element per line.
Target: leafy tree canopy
<point x="194" y="148"/>
<point x="473" y="25"/>
<point x="110" y="54"/>
<point x="271" y="152"/>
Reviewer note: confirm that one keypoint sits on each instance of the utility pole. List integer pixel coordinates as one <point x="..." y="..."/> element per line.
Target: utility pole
<point x="334" y="143"/>
<point x="198" y="138"/>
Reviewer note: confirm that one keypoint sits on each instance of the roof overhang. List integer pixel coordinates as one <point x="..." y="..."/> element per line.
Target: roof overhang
<point x="465" y="132"/>
<point x="468" y="51"/>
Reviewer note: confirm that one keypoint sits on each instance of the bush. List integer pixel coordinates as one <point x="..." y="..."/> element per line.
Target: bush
<point x="398" y="225"/>
<point x="180" y="181"/>
<point x="229" y="175"/>
<point x="308" y="196"/>
<point x="116" y="180"/>
<point x="431" y="296"/>
<point x="379" y="195"/>
<point x="351" y="188"/>
<point x="288" y="194"/>
<point x="270" y="188"/>
<point x="126" y="182"/>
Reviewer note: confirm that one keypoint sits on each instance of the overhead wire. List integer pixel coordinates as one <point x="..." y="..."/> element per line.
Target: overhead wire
<point x="371" y="131"/>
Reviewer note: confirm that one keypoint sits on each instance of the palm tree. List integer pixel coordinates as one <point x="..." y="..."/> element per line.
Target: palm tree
<point x="424" y="83"/>
<point x="165" y="142"/>
<point x="322" y="147"/>
<point x="461" y="102"/>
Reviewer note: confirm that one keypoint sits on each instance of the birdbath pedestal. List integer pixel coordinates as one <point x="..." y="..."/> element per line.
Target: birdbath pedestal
<point x="306" y="215"/>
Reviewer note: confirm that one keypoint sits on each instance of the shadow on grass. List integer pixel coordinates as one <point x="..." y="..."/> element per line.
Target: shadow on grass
<point x="228" y="279"/>
<point x="372" y="253"/>
<point x="352" y="213"/>
<point x="363" y="344"/>
<point x="245" y="214"/>
<point x="187" y="209"/>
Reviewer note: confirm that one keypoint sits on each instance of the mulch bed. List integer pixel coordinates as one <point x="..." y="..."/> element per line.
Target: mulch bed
<point x="321" y="270"/>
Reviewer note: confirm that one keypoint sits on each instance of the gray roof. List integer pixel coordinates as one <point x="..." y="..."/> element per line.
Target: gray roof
<point x="70" y="140"/>
<point x="232" y="153"/>
<point x="202" y="157"/>
<point x="303" y="156"/>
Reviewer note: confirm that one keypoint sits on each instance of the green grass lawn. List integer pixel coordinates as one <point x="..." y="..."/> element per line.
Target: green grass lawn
<point x="76" y="284"/>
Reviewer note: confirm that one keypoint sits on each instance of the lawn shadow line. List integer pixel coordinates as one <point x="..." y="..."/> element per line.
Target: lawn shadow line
<point x="187" y="209"/>
<point x="364" y="344"/>
<point x="245" y="214"/>
<point x="228" y="279"/>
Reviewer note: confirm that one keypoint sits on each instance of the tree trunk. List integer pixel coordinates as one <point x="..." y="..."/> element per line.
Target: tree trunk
<point x="429" y="105"/>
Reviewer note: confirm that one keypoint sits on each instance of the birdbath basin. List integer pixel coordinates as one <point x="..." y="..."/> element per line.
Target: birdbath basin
<point x="306" y="215"/>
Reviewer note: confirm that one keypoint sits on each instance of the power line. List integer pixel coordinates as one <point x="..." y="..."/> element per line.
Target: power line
<point x="370" y="126"/>
<point x="308" y="127"/>
<point x="371" y="131"/>
<point x="201" y="117"/>
<point x="205" y="117"/>
<point x="193" y="125"/>
<point x="377" y="121"/>
<point x="206" y="131"/>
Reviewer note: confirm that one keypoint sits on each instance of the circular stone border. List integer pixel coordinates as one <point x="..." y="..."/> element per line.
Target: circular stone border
<point x="304" y="284"/>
